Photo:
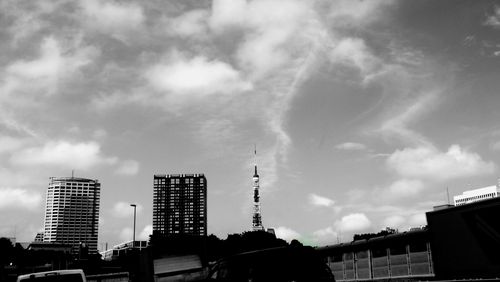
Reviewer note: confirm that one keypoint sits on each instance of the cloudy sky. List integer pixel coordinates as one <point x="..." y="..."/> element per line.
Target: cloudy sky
<point x="363" y="112"/>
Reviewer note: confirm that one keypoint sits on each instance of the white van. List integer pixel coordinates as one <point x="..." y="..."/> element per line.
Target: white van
<point x="69" y="275"/>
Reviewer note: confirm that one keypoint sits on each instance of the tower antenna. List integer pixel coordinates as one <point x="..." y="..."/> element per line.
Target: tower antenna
<point x="448" y="195"/>
<point x="257" y="218"/>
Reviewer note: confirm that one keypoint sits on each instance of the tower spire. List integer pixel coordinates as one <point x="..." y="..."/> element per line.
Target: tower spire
<point x="257" y="218"/>
<point x="255" y="161"/>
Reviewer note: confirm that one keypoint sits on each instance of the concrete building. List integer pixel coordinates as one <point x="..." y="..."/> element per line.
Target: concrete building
<point x="475" y="195"/>
<point x="122" y="249"/>
<point x="460" y="243"/>
<point x="72" y="212"/>
<point x="180" y="204"/>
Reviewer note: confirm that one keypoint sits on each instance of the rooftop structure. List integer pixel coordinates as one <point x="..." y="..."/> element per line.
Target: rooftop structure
<point x="475" y="195"/>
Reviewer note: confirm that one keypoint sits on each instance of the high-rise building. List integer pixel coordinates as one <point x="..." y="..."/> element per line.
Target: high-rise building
<point x="180" y="204"/>
<point x="72" y="212"/>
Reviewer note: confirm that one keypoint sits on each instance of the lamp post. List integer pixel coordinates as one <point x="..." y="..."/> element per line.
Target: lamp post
<point x="133" y="240"/>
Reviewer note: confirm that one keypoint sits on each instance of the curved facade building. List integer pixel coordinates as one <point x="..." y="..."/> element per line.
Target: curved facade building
<point x="72" y="212"/>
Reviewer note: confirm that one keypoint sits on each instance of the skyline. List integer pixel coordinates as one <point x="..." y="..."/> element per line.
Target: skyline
<point x="365" y="112"/>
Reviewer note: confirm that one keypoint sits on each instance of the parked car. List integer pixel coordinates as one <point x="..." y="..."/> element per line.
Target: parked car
<point x="298" y="264"/>
<point x="69" y="275"/>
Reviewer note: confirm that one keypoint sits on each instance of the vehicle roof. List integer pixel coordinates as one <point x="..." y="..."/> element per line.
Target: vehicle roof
<point x="64" y="271"/>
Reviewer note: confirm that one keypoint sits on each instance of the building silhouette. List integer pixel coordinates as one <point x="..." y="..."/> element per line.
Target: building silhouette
<point x="72" y="213"/>
<point x="180" y="204"/>
<point x="459" y="243"/>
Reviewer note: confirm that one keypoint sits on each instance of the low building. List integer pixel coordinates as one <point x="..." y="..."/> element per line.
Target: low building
<point x="122" y="249"/>
<point x="400" y="255"/>
<point x="459" y="243"/>
<point x="475" y="195"/>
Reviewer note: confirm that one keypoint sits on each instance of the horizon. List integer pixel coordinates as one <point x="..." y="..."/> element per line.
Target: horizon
<point x="364" y="113"/>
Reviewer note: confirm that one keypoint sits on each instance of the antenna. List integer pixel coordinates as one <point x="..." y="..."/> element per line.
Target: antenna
<point x="72" y="173"/>
<point x="448" y="194"/>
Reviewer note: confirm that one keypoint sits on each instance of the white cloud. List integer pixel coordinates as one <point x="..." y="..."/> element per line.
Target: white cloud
<point x="397" y="125"/>
<point x="44" y="74"/>
<point x="402" y="188"/>
<point x="83" y="155"/>
<point x="350" y="146"/>
<point x="354" y="222"/>
<point x="286" y="233"/>
<point x="354" y="52"/>
<point x="117" y="19"/>
<point x="325" y="235"/>
<point x="320" y="201"/>
<point x="416" y="220"/>
<point x="430" y="163"/>
<point x="197" y="77"/>
<point x="494" y="20"/>
<point x="128" y="167"/>
<point x="12" y="198"/>
<point x="227" y="13"/>
<point x="272" y="38"/>
<point x="144" y="235"/>
<point x="124" y="210"/>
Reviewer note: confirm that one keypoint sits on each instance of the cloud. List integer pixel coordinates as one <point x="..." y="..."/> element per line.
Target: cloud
<point x="320" y="201"/>
<point x="397" y="125"/>
<point x="196" y="77"/>
<point x="126" y="234"/>
<point x="124" y="210"/>
<point x="82" y="155"/>
<point x="349" y="146"/>
<point x="325" y="235"/>
<point x="13" y="198"/>
<point x="144" y="235"/>
<point x="493" y="20"/>
<point x="495" y="146"/>
<point x="227" y="13"/>
<point x="418" y="219"/>
<point x="401" y="189"/>
<point x="354" y="52"/>
<point x="354" y="222"/>
<point x="114" y="18"/>
<point x="395" y="221"/>
<point x="9" y="144"/>
<point x="430" y="163"/>
<point x="271" y="39"/>
<point x="286" y="233"/>
<point x="190" y="24"/>
<point x="358" y="12"/>
<point x="45" y="73"/>
<point x="129" y="167"/>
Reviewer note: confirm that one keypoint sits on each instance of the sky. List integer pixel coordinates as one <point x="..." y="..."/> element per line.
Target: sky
<point x="364" y="113"/>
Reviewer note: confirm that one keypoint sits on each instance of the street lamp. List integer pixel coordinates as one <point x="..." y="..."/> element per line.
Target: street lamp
<point x="133" y="240"/>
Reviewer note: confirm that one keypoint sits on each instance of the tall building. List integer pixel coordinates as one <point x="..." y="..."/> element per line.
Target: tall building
<point x="180" y="204"/>
<point x="475" y="195"/>
<point x="257" y="217"/>
<point x="72" y="212"/>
